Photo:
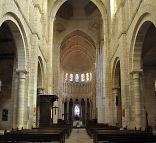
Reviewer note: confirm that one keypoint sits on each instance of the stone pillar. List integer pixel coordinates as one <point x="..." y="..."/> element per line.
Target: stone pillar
<point x="100" y="109"/>
<point x="50" y="65"/>
<point x="32" y="92"/>
<point x="40" y="91"/>
<point x="90" y="109"/>
<point x="137" y="99"/>
<point x="21" y="107"/>
<point x="62" y="116"/>
<point x="55" y="112"/>
<point x="100" y="97"/>
<point x="114" y="106"/>
<point x="117" y="106"/>
<point x="67" y="110"/>
<point x="86" y="110"/>
<point x="94" y="114"/>
<point x="61" y="107"/>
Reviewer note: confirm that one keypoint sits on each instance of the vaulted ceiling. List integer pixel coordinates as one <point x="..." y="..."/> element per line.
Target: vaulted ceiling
<point x="72" y="7"/>
<point x="77" y="52"/>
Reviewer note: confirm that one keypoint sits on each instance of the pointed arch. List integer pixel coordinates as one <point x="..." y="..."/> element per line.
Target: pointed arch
<point x="74" y="44"/>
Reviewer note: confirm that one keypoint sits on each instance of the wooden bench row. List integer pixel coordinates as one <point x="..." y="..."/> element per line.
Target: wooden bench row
<point x="91" y="127"/>
<point x="123" y="136"/>
<point x="34" y="135"/>
<point x="42" y="134"/>
<point x="106" y="133"/>
<point x="66" y="127"/>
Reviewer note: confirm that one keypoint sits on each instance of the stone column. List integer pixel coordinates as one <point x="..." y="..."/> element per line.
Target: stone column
<point x="85" y="106"/>
<point x="116" y="110"/>
<point x="50" y="63"/>
<point x="62" y="116"/>
<point x="60" y="107"/>
<point x="90" y="109"/>
<point x="40" y="91"/>
<point x="100" y="109"/>
<point x="55" y="112"/>
<point x="114" y="106"/>
<point x="67" y="110"/>
<point x="100" y="97"/>
<point x="137" y="99"/>
<point x="32" y="82"/>
<point x="21" y="107"/>
<point x="94" y="107"/>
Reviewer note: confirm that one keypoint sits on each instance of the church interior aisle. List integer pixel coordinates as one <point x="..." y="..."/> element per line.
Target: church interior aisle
<point x="79" y="135"/>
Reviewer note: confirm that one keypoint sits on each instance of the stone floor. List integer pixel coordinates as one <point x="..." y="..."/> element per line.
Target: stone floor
<point x="79" y="135"/>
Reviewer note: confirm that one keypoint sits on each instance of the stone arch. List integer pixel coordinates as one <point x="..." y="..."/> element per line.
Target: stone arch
<point x="20" y="59"/>
<point x="101" y="41"/>
<point x="117" y="99"/>
<point x="20" y="38"/>
<point x="81" y="34"/>
<point x="115" y="73"/>
<point x="40" y="75"/>
<point x="78" y="41"/>
<point x="100" y="5"/>
<point x="137" y="39"/>
<point x="138" y="50"/>
<point x="57" y="4"/>
<point x="40" y="88"/>
<point x="144" y="14"/>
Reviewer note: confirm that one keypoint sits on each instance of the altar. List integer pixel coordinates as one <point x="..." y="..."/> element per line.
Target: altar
<point x="77" y="124"/>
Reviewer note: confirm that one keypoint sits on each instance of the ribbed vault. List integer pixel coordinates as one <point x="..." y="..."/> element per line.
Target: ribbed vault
<point x="77" y="52"/>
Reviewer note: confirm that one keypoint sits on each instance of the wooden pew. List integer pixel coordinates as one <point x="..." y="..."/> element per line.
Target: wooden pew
<point x="123" y="136"/>
<point x="91" y="127"/>
<point x="34" y="135"/>
<point x="49" y="129"/>
<point x="67" y="127"/>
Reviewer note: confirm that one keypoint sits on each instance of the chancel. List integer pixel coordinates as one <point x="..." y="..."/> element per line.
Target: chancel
<point x="78" y="71"/>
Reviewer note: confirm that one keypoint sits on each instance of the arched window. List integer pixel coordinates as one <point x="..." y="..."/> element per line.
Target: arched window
<point x="77" y="111"/>
<point x="76" y="77"/>
<point x="71" y="77"/>
<point x="90" y="76"/>
<point x="66" y="77"/>
<point x="87" y="76"/>
<point x="82" y="77"/>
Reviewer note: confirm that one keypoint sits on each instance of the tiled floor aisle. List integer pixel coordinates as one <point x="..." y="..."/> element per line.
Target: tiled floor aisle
<point x="79" y="136"/>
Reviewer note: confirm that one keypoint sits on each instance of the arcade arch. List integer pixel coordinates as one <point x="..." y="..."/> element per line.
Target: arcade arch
<point x="143" y="75"/>
<point x="117" y="100"/>
<point x="13" y="68"/>
<point x="79" y="35"/>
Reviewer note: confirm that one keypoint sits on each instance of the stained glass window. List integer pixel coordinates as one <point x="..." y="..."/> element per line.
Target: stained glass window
<point x="76" y="77"/>
<point x="66" y="77"/>
<point x="82" y="77"/>
<point x="77" y="111"/>
<point x="71" y="77"/>
<point x="87" y="76"/>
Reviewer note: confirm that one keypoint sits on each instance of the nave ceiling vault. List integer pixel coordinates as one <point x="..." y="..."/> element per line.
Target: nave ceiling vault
<point x="77" y="53"/>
